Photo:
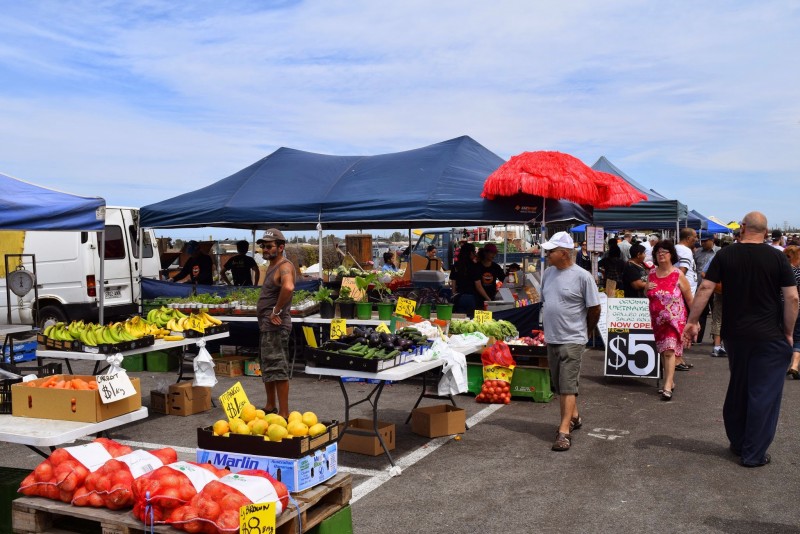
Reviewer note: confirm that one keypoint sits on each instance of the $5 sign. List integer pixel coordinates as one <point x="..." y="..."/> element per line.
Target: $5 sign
<point x="625" y="349"/>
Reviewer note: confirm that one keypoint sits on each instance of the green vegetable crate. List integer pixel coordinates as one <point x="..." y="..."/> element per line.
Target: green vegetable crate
<point x="339" y="523"/>
<point x="162" y="361"/>
<point x="530" y="382"/>
<point x="134" y="363"/>
<point x="10" y="479"/>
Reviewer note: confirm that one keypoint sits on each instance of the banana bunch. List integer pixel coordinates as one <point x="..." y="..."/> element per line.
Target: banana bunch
<point x="59" y="332"/>
<point x="139" y="327"/>
<point x="161" y="316"/>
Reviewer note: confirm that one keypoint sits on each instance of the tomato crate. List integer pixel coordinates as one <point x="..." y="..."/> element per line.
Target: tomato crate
<point x="530" y="382"/>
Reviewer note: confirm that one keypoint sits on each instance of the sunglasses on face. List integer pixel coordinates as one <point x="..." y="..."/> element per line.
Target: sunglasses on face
<point x="268" y="246"/>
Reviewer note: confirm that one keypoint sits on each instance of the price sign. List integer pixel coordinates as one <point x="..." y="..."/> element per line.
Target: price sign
<point x="405" y="307"/>
<point x="595" y="238"/>
<point x="482" y="316"/>
<point x="114" y="387"/>
<point x="631" y="348"/>
<point x="382" y="328"/>
<point x="234" y="400"/>
<point x="338" y="328"/>
<point x="355" y="293"/>
<point x="257" y="518"/>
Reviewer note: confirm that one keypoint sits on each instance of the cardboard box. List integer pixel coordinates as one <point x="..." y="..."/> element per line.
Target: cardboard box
<point x="360" y="437"/>
<point x="247" y="444"/>
<point x="297" y="473"/>
<point x="252" y="368"/>
<point x="227" y="350"/>
<point x="50" y="403"/>
<point x="158" y="402"/>
<point x="438" y="420"/>
<point x="229" y="366"/>
<point x="184" y="399"/>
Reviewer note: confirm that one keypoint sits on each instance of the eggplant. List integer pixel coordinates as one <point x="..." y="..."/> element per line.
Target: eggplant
<point x="361" y="340"/>
<point x="358" y="332"/>
<point x="384" y="337"/>
<point x="374" y="339"/>
<point x="388" y="346"/>
<point x="406" y="344"/>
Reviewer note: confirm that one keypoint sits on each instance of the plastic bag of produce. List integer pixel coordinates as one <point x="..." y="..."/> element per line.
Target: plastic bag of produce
<point x="159" y="492"/>
<point x="65" y="470"/>
<point x="218" y="504"/>
<point x="110" y="486"/>
<point x="498" y="369"/>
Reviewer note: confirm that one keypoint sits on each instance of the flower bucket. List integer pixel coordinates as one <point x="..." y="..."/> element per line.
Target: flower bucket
<point x="424" y="310"/>
<point x="385" y="310"/>
<point x="364" y="310"/>
<point x="444" y="311"/>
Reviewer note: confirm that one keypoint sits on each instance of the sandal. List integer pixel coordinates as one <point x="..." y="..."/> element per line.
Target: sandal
<point x="682" y="367"/>
<point x="575" y="423"/>
<point x="562" y="443"/>
<point x="270" y="410"/>
<point x="794" y="373"/>
<point x="666" y="395"/>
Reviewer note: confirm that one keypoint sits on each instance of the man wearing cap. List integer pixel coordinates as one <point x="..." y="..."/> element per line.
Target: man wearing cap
<point x="777" y="240"/>
<point x="275" y="321"/>
<point x="485" y="274"/>
<point x="199" y="267"/>
<point x="570" y="311"/>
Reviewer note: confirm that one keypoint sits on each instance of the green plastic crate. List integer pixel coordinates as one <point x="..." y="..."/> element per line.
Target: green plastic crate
<point x="531" y="382"/>
<point x="162" y="361"/>
<point x="10" y="479"/>
<point x="134" y="363"/>
<point x="339" y="523"/>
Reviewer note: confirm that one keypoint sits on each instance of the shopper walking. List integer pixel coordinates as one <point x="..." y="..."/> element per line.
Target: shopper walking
<point x="461" y="280"/>
<point x="570" y="311"/>
<point x="667" y="289"/>
<point x="275" y="321"/>
<point x="757" y="330"/>
<point x="793" y="253"/>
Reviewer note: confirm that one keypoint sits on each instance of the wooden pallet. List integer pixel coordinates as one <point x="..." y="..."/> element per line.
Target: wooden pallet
<point x="38" y="515"/>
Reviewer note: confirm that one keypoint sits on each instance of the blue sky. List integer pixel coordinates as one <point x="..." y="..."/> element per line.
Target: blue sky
<point x="141" y="101"/>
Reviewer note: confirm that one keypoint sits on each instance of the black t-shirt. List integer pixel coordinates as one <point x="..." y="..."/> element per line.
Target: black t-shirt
<point x="633" y="273"/>
<point x="241" y="267"/>
<point x="462" y="274"/>
<point x="488" y="277"/>
<point x="199" y="268"/>
<point x="752" y="275"/>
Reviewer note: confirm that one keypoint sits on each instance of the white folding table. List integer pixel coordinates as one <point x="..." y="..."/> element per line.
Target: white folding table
<point x="394" y="374"/>
<point x="34" y="433"/>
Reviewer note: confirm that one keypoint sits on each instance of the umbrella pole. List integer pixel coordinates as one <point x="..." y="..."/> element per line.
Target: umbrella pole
<point x="541" y="235"/>
<point x="505" y="247"/>
<point x="319" y="246"/>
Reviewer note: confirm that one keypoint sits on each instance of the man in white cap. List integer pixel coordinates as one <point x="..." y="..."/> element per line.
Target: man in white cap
<point x="275" y="321"/>
<point x="570" y="311"/>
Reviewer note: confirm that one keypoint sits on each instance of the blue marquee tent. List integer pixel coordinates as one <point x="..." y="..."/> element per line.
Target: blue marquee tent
<point x="25" y="206"/>
<point x="434" y="186"/>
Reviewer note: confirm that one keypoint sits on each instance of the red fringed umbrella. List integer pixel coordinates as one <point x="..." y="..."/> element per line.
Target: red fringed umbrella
<point x="545" y="174"/>
<point x="614" y="191"/>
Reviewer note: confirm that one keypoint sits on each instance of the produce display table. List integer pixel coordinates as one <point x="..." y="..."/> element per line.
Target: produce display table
<point x="34" y="433"/>
<point x="160" y="344"/>
<point x="395" y="374"/>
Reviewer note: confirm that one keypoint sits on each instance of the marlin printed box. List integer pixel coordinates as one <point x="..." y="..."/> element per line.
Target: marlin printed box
<point x="297" y="473"/>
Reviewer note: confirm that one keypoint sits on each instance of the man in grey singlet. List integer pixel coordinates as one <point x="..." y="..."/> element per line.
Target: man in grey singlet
<point x="275" y="321"/>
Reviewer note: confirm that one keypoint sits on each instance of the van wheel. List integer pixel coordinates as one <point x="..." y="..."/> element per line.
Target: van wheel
<point x="51" y="315"/>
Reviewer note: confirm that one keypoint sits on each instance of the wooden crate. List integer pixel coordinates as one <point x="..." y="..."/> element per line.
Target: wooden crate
<point x="38" y="515"/>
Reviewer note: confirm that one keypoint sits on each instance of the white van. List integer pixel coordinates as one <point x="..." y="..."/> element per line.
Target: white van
<point x="68" y="271"/>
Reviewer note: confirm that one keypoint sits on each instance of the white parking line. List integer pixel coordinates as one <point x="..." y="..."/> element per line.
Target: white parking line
<point x="370" y="485"/>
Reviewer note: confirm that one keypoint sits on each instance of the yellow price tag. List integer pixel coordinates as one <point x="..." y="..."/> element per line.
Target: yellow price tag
<point x="482" y="316"/>
<point x="257" y="518"/>
<point x="338" y="328"/>
<point x="405" y="307"/>
<point x="233" y="400"/>
<point x="382" y="328"/>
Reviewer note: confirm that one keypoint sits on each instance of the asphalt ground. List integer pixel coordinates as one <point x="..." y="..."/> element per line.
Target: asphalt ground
<point x="638" y="464"/>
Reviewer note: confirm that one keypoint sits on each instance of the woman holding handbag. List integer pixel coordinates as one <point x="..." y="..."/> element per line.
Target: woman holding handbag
<point x="670" y="296"/>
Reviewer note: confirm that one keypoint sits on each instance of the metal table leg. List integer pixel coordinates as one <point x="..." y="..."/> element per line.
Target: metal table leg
<point x="425" y="395"/>
<point x="377" y="390"/>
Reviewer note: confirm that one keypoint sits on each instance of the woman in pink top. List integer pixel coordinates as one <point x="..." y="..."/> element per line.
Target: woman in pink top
<point x="670" y="296"/>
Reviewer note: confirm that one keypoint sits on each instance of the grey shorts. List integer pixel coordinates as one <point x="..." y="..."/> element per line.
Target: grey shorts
<point x="565" y="367"/>
<point x="274" y="355"/>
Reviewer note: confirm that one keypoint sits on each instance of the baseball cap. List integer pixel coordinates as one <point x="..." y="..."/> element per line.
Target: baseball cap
<point x="559" y="240"/>
<point x="490" y="247"/>
<point x="273" y="234"/>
